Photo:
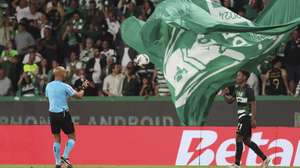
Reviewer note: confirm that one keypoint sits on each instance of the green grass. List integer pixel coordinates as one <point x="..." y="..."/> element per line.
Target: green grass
<point x="94" y="166"/>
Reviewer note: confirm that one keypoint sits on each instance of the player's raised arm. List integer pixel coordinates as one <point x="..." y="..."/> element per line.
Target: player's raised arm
<point x="227" y="97"/>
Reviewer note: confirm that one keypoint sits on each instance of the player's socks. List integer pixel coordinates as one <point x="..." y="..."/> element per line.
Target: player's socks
<point x="56" y="151"/>
<point x="256" y="149"/>
<point x="69" y="146"/>
<point x="239" y="151"/>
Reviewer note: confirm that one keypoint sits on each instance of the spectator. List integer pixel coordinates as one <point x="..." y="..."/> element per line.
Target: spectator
<point x="55" y="12"/>
<point x="33" y="14"/>
<point x="127" y="7"/>
<point x="131" y="84"/>
<point x="113" y="83"/>
<point x="113" y="25"/>
<point x="147" y="89"/>
<point x="22" y="10"/>
<point x="32" y="27"/>
<point x="109" y="66"/>
<point x="227" y="4"/>
<point x="276" y="82"/>
<point x="26" y="85"/>
<point x="162" y="85"/>
<point x="94" y="69"/>
<point x="88" y="52"/>
<point x="37" y="57"/>
<point x="90" y="90"/>
<point x="72" y="7"/>
<point x="77" y="22"/>
<point x="55" y="5"/>
<point x="71" y="39"/>
<point x="72" y="67"/>
<point x="5" y="83"/>
<point x="108" y="51"/>
<point x="148" y="8"/>
<point x="48" y="46"/>
<point x="122" y="4"/>
<point x="9" y="62"/>
<point x="94" y="15"/>
<point x="253" y="82"/>
<point x="44" y="23"/>
<point x="146" y="72"/>
<point x="31" y="67"/>
<point x="23" y="39"/>
<point x="39" y="4"/>
<point x="54" y="64"/>
<point x="42" y="76"/>
<point x="6" y="32"/>
<point x="125" y="55"/>
<point x="106" y="36"/>
<point x="292" y="60"/>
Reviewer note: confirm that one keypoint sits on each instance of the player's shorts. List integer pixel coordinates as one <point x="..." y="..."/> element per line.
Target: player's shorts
<point x="61" y="121"/>
<point x="244" y="127"/>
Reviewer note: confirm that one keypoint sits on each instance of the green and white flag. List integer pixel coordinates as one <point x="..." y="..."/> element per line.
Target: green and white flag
<point x="200" y="46"/>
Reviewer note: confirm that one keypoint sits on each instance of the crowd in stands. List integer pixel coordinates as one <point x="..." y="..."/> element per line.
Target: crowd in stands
<point x="84" y="36"/>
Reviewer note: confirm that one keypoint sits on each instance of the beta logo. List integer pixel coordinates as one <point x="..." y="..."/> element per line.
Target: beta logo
<point x="207" y="147"/>
<point x="194" y="149"/>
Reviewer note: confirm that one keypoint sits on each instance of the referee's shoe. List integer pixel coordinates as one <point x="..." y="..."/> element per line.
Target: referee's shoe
<point x="66" y="162"/>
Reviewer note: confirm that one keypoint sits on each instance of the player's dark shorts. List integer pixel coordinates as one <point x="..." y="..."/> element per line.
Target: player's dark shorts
<point x="61" y="121"/>
<point x="244" y="127"/>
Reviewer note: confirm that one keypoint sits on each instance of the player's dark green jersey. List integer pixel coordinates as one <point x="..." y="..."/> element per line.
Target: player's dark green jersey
<point x="275" y="85"/>
<point x="243" y="97"/>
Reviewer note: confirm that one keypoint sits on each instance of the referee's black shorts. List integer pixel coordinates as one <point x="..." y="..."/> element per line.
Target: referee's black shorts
<point x="61" y="121"/>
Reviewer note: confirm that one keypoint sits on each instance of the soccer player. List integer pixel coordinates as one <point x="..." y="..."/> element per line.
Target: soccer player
<point x="246" y="110"/>
<point x="58" y="93"/>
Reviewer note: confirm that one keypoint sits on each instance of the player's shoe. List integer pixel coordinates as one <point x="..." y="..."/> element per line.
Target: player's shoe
<point x="234" y="166"/>
<point x="266" y="163"/>
<point x="58" y="166"/>
<point x="66" y="162"/>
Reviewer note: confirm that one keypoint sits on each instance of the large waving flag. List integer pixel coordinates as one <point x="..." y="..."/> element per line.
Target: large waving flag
<point x="200" y="46"/>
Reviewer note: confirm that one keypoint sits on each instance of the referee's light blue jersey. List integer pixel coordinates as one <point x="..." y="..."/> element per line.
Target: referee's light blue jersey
<point x="58" y="93"/>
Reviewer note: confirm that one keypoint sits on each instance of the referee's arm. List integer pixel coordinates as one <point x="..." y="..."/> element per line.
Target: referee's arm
<point x="79" y="94"/>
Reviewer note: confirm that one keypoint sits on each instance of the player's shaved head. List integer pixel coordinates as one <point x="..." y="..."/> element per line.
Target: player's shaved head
<point x="59" y="73"/>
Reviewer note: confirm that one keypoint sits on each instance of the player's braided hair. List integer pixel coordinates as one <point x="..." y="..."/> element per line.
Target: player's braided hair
<point x="246" y="73"/>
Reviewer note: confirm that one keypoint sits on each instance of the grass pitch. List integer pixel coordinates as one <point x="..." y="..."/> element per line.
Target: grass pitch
<point x="95" y="166"/>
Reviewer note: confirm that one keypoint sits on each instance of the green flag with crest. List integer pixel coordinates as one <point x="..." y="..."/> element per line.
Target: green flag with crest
<point x="200" y="46"/>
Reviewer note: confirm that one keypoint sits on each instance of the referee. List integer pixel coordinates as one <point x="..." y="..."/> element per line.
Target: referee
<point x="58" y="93"/>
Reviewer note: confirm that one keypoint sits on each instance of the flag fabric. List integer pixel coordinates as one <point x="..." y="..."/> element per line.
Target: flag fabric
<point x="200" y="46"/>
